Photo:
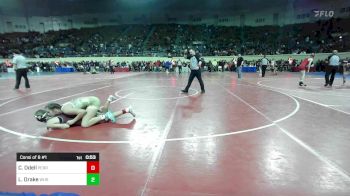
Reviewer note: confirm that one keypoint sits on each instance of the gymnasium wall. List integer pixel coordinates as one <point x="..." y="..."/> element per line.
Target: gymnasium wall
<point x="318" y="56"/>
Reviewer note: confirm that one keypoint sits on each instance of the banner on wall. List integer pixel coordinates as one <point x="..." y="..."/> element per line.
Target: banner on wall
<point x="197" y="42"/>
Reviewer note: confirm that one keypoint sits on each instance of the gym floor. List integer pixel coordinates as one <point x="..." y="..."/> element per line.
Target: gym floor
<point x="254" y="136"/>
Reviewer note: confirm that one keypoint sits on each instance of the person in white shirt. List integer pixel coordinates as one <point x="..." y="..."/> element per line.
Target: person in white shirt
<point x="215" y="65"/>
<point x="273" y="67"/>
<point x="179" y="65"/>
<point x="21" y="68"/>
<point x="331" y="69"/>
<point x="264" y="63"/>
<point x="195" y="66"/>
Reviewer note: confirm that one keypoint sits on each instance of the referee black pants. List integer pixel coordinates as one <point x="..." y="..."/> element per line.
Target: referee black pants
<point x="263" y="70"/>
<point x="198" y="75"/>
<point x="19" y="74"/>
<point x="330" y="71"/>
<point x="111" y="69"/>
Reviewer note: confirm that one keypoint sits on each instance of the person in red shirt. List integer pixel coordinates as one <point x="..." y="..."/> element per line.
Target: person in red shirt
<point x="305" y="66"/>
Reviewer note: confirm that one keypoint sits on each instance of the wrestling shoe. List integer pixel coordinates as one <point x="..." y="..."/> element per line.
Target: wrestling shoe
<point x="130" y="110"/>
<point x="111" y="98"/>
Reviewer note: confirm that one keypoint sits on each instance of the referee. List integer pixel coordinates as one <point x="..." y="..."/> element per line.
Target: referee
<point x="195" y="64"/>
<point x="332" y="68"/>
<point x="21" y="68"/>
<point x="264" y="63"/>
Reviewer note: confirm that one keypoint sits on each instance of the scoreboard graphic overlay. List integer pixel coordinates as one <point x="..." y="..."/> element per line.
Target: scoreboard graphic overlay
<point x="58" y="169"/>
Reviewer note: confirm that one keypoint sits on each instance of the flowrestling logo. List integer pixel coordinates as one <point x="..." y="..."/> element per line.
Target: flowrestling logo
<point x="323" y="13"/>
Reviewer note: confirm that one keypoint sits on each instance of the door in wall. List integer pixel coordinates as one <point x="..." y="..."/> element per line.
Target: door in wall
<point x="9" y="27"/>
<point x="42" y="27"/>
<point x="55" y="25"/>
<point x="275" y="18"/>
<point x="70" y="24"/>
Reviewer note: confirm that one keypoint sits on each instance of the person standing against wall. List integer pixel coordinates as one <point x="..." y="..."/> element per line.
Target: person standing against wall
<point x="345" y="70"/>
<point x="273" y="67"/>
<point x="110" y="66"/>
<point x="239" y="65"/>
<point x="264" y="63"/>
<point x="179" y="65"/>
<point x="21" y="68"/>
